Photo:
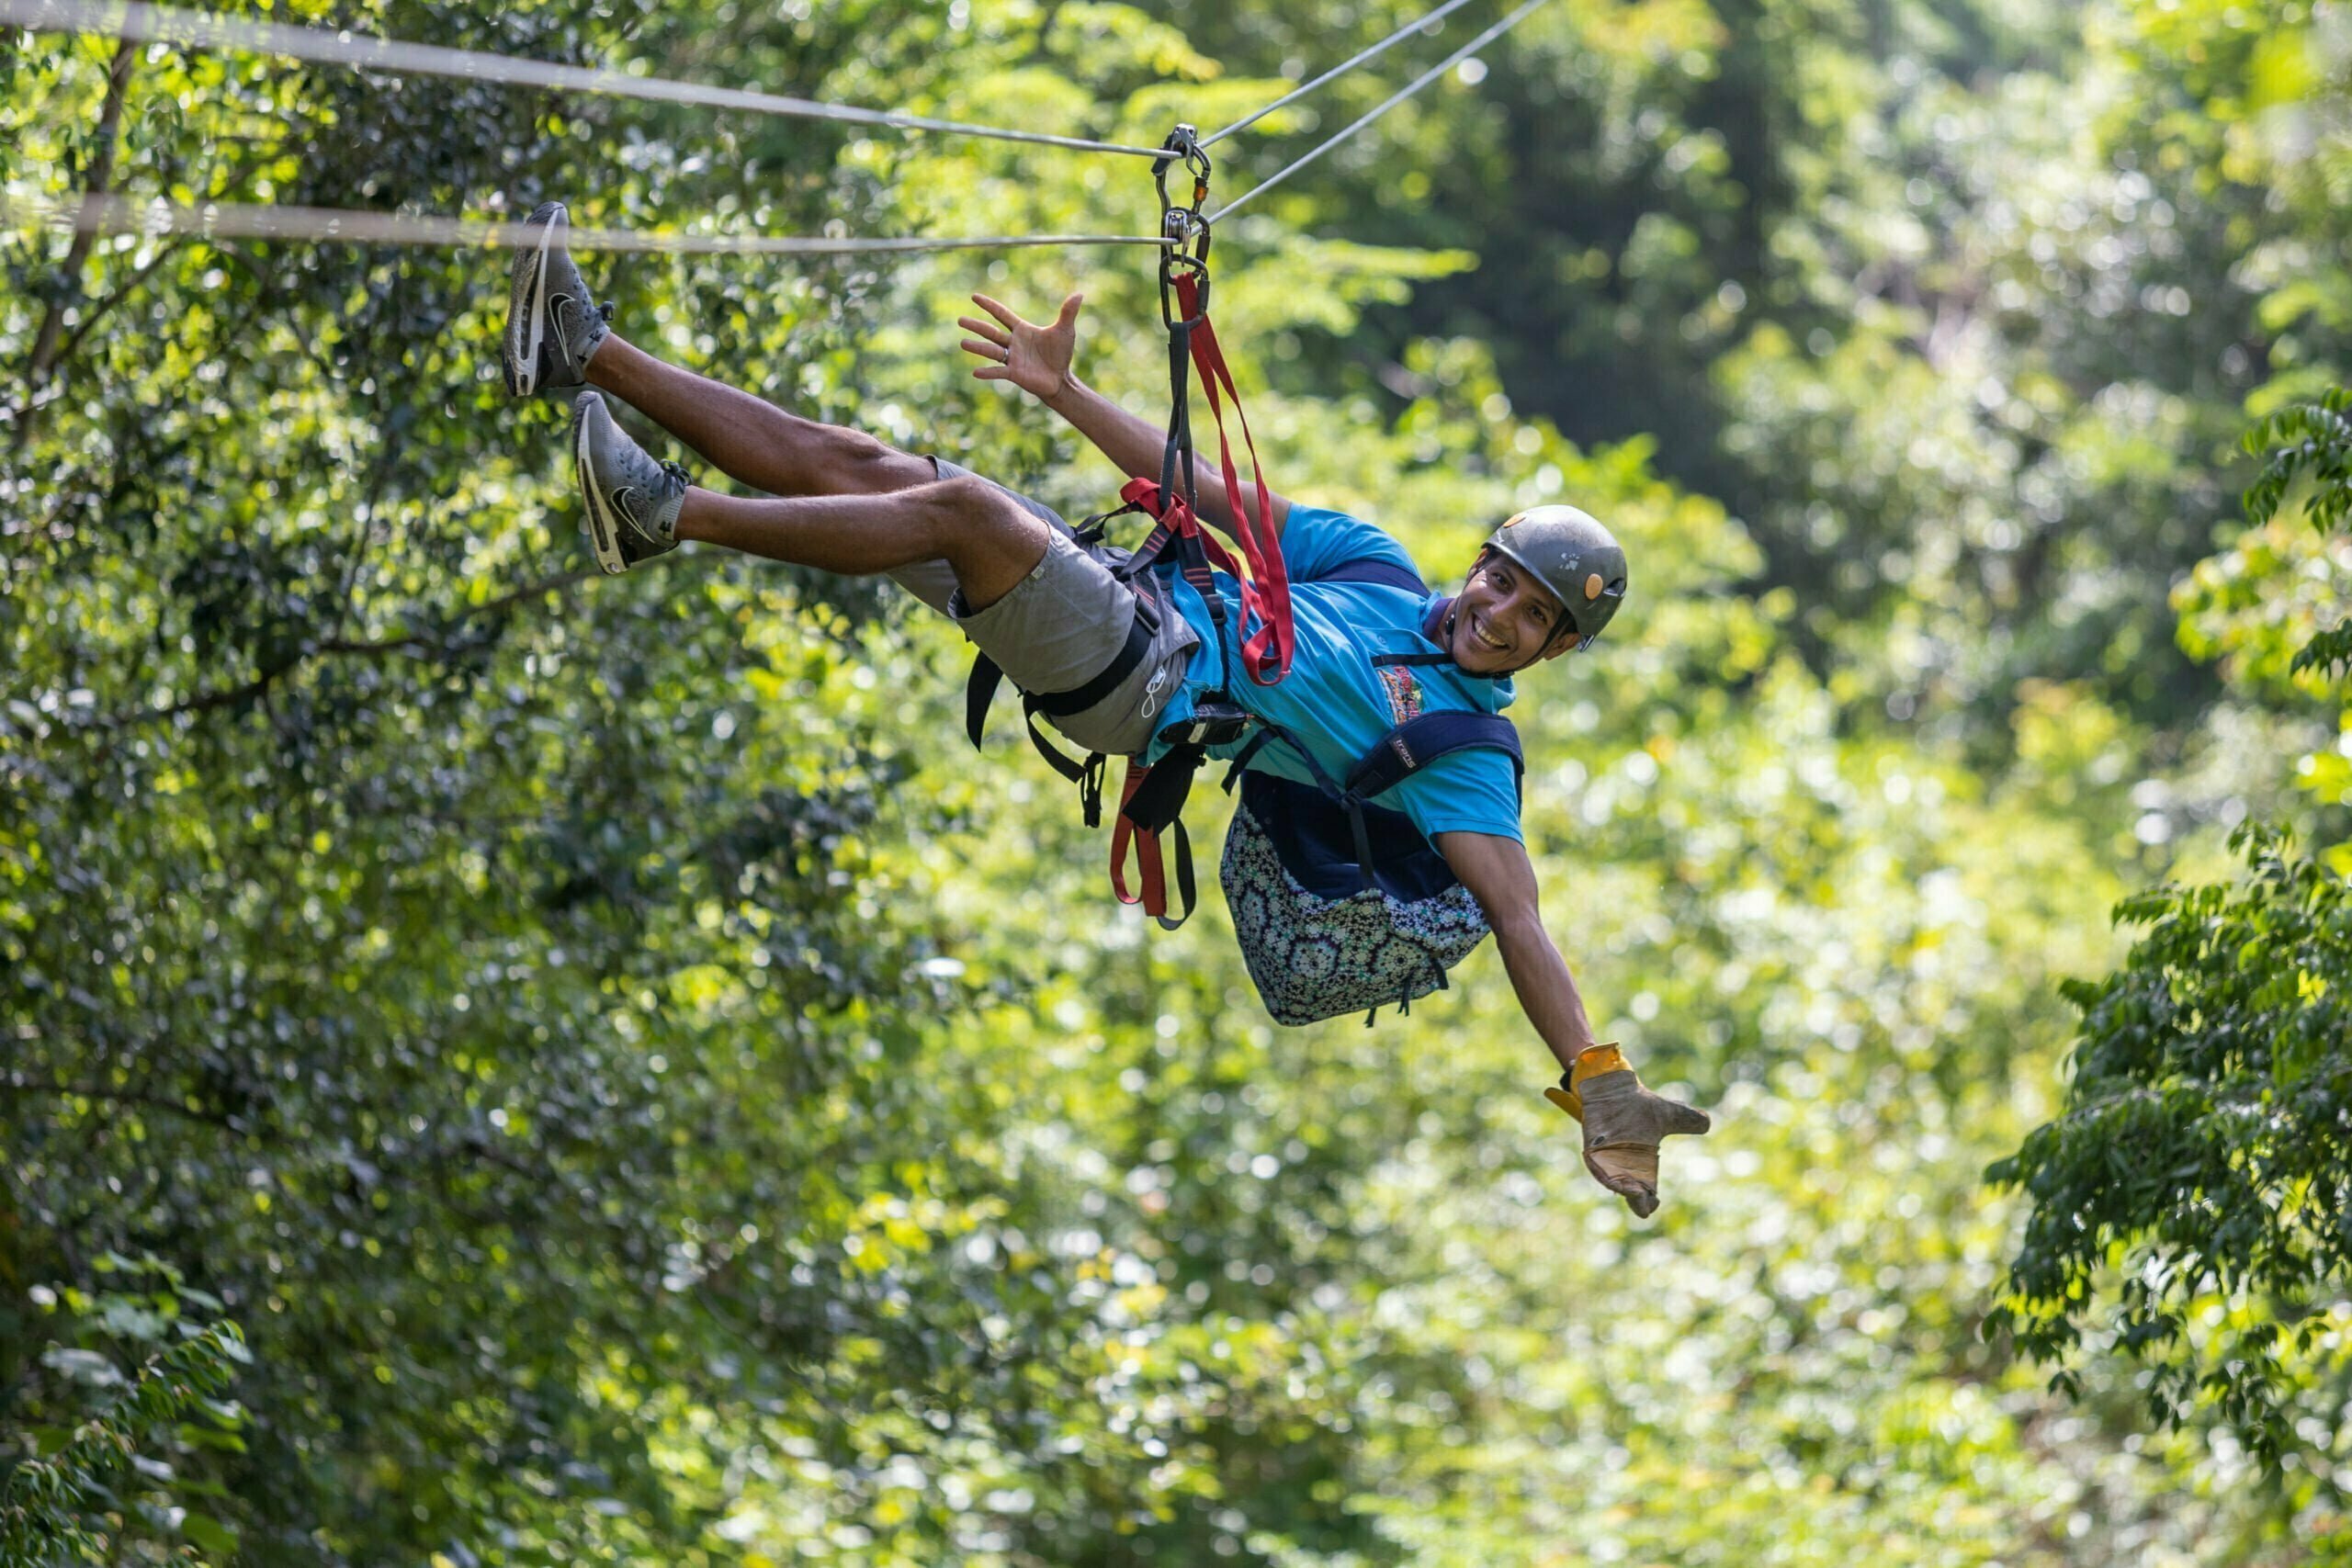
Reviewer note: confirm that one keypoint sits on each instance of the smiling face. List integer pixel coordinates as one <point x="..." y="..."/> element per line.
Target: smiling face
<point x="1504" y="620"/>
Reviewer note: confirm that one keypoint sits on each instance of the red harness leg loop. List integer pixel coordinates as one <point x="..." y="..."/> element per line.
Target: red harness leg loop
<point x="1152" y="876"/>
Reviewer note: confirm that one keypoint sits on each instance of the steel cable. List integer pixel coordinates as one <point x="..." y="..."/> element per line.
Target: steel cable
<point x="1417" y="25"/>
<point x="231" y="221"/>
<point x="1431" y="74"/>
<point x="141" y="22"/>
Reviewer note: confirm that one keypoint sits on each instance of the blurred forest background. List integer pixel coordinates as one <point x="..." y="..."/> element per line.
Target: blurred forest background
<point x="505" y="1067"/>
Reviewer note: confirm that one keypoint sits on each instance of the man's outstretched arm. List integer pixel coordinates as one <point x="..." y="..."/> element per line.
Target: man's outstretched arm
<point x="1038" y="359"/>
<point x="1499" y="876"/>
<point x="1622" y="1122"/>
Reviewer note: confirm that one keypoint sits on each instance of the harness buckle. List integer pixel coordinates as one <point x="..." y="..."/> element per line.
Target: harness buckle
<point x="1211" y="723"/>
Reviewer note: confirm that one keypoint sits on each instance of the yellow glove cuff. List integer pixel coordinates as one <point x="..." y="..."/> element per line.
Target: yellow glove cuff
<point x="1594" y="1061"/>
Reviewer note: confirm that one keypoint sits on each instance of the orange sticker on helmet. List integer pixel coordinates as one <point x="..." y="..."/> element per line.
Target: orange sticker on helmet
<point x="1593" y="586"/>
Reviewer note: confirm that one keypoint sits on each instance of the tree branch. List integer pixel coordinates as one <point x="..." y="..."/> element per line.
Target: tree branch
<point x="555" y="583"/>
<point x="130" y="285"/>
<point x="18" y="1084"/>
<point x="441" y="641"/>
<point x="46" y="343"/>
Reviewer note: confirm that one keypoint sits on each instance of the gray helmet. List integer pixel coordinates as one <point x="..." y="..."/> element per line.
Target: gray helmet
<point x="1570" y="553"/>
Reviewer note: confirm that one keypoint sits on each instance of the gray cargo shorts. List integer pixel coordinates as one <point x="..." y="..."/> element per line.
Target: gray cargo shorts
<point x="1063" y="625"/>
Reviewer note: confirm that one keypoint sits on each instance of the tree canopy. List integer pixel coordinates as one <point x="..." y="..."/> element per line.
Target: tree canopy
<point x="506" y="1067"/>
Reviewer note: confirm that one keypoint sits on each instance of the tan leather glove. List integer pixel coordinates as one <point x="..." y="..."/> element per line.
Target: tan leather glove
<point x="1623" y="1123"/>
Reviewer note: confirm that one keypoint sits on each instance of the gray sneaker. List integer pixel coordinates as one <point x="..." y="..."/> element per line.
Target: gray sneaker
<point x="551" y="325"/>
<point x="632" y="501"/>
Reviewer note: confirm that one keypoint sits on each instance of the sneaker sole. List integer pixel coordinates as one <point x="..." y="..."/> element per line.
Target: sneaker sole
<point x="602" y="537"/>
<point x="526" y="311"/>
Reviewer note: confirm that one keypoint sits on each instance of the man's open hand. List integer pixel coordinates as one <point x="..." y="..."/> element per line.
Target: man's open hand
<point x="1034" y="358"/>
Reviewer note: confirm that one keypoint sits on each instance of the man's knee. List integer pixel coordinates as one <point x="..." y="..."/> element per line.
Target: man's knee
<point x="967" y="508"/>
<point x="857" y="464"/>
<point x="991" y="540"/>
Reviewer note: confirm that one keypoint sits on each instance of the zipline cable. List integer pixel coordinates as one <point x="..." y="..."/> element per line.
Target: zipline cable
<point x="231" y="221"/>
<point x="142" y="22"/>
<point x="1417" y="25"/>
<point x="1431" y="74"/>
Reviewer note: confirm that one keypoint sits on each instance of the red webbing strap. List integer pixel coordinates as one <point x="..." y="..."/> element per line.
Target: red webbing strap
<point x="1177" y="519"/>
<point x="1265" y="593"/>
<point x="1153" y="895"/>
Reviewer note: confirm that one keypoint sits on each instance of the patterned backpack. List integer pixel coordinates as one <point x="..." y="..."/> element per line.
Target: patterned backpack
<point x="1340" y="904"/>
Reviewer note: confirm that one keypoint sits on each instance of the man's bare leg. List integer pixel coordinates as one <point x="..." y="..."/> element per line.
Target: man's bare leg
<point x="847" y="503"/>
<point x="988" y="541"/>
<point x="749" y="439"/>
<point x="639" y="508"/>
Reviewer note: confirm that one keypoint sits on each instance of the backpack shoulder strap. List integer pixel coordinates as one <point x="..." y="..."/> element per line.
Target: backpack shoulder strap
<point x="1387" y="573"/>
<point x="1418" y="742"/>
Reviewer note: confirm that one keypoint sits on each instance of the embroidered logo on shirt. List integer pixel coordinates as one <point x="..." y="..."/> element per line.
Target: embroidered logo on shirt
<point x="1404" y="692"/>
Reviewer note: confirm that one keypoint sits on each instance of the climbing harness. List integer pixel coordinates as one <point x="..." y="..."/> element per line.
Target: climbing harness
<point x="1152" y="796"/>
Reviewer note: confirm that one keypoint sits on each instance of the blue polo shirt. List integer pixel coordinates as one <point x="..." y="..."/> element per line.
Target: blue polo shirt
<point x="1335" y="699"/>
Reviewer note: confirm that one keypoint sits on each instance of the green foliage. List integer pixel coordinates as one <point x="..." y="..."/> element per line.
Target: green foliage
<point x="109" y="1475"/>
<point x="2309" y="446"/>
<point x="646" y="1093"/>
<point x="2200" y="1174"/>
<point x="2201" y="1171"/>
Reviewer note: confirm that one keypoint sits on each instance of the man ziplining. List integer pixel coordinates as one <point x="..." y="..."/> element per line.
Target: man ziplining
<point x="1134" y="657"/>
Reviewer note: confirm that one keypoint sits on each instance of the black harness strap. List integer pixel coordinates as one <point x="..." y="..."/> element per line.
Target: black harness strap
<point x="1241" y="759"/>
<point x="1187" y="894"/>
<point x="980" y="692"/>
<point x="1397" y="756"/>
